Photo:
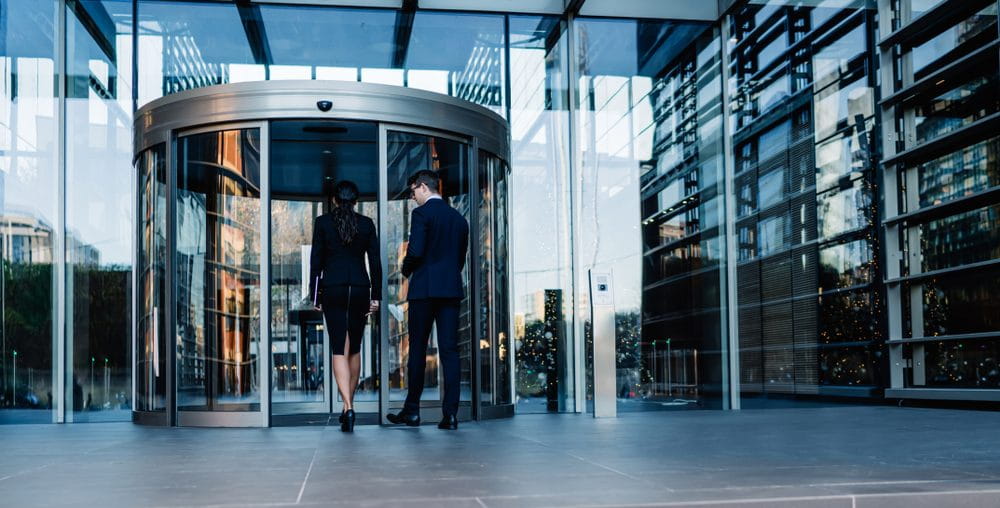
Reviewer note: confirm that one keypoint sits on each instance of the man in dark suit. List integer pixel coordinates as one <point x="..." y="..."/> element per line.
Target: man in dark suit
<point x="435" y="257"/>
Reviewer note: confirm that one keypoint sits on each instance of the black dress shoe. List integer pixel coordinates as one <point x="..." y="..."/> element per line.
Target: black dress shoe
<point x="347" y="425"/>
<point x="410" y="419"/>
<point x="449" y="422"/>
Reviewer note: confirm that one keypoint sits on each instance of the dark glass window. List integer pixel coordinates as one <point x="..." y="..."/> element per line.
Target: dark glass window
<point x="949" y="111"/>
<point x="966" y="238"/>
<point x="960" y="303"/>
<point x="964" y="32"/>
<point x="847" y="366"/>
<point x="962" y="364"/>
<point x="847" y="317"/>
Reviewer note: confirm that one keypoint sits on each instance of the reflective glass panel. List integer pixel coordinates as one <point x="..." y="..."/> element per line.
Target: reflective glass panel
<point x="771" y="235"/>
<point x="843" y="105"/>
<point x="833" y="61"/>
<point x="951" y="110"/>
<point x="844" y="210"/>
<point x="541" y="255"/>
<point x="926" y="55"/>
<point x="961" y="173"/>
<point x="217" y="274"/>
<point x="962" y="239"/>
<point x="846" y="265"/>
<point x="99" y="227"/>
<point x="184" y="45"/>
<point x="650" y="125"/>
<point x="771" y="187"/>
<point x="29" y="129"/>
<point x="845" y="155"/>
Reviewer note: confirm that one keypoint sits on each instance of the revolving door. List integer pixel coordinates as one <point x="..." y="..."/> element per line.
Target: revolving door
<point x="229" y="179"/>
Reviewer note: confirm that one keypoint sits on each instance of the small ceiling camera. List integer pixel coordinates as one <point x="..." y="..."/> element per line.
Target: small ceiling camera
<point x="324" y="106"/>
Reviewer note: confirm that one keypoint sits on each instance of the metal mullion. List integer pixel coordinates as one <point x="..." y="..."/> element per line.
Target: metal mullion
<point x="575" y="325"/>
<point x="890" y="186"/>
<point x="134" y="255"/>
<point x="475" y="277"/>
<point x="264" y="339"/>
<point x="383" y="338"/>
<point x="730" y="321"/>
<point x="59" y="336"/>
<point x="169" y="312"/>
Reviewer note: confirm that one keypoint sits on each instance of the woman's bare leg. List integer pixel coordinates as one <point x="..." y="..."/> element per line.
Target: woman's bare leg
<point x="355" y="361"/>
<point x="342" y="371"/>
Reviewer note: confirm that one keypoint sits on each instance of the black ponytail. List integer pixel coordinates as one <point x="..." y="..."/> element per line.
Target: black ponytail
<point x="345" y="196"/>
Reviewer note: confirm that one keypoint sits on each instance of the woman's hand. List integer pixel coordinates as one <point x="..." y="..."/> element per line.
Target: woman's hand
<point x="373" y="307"/>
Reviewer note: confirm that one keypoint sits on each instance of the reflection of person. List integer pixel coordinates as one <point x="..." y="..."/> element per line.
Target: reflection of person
<point x="435" y="257"/>
<point x="346" y="293"/>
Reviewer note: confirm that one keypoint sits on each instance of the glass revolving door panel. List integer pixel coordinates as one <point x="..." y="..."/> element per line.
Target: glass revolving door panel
<point x="217" y="274"/>
<point x="407" y="153"/>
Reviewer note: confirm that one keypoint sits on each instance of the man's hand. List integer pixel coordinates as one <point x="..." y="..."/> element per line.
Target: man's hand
<point x="373" y="307"/>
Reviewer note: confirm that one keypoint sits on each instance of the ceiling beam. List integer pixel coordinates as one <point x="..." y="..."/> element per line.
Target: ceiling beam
<point x="253" y="25"/>
<point x="401" y="33"/>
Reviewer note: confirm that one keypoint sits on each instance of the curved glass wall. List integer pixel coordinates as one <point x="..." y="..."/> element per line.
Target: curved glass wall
<point x="151" y="255"/>
<point x="225" y="219"/>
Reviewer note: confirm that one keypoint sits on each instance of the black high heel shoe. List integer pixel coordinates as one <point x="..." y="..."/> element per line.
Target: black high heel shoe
<point x="347" y="422"/>
<point x="341" y="419"/>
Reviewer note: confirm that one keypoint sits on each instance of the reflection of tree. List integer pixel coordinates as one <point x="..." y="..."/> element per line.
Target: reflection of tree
<point x="848" y="327"/>
<point x="101" y="334"/>
<point x="100" y="314"/>
<point x="533" y="359"/>
<point x="628" y="351"/>
<point x="27" y="325"/>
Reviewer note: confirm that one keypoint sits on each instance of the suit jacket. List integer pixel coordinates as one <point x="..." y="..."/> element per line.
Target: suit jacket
<point x="344" y="264"/>
<point x="435" y="255"/>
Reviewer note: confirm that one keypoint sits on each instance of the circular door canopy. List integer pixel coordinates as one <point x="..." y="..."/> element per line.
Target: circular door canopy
<point x="308" y="99"/>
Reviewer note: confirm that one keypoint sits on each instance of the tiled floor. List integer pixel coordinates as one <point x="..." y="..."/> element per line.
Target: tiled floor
<point x="841" y="456"/>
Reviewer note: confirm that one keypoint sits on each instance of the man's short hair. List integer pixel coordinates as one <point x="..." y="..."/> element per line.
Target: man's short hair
<point x="426" y="177"/>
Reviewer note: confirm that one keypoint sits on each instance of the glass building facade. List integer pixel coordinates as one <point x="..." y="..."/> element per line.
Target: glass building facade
<point x="798" y="200"/>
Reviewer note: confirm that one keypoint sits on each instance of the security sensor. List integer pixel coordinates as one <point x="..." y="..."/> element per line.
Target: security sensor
<point x="324" y="106"/>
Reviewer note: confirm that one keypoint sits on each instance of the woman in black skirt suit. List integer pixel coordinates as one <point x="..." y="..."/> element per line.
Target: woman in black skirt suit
<point x="342" y="287"/>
